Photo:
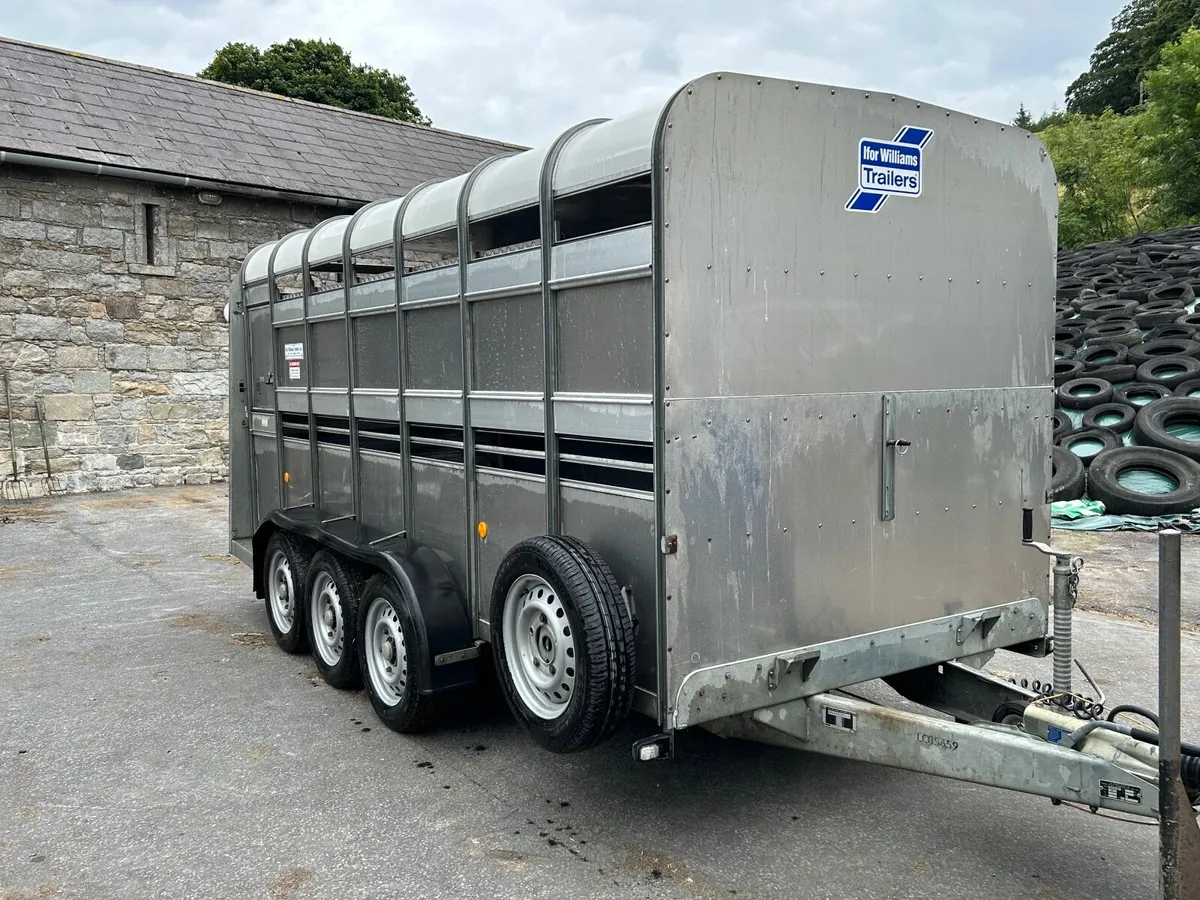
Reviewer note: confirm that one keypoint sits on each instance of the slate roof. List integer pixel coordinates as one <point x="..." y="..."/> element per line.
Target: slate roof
<point x="57" y="103"/>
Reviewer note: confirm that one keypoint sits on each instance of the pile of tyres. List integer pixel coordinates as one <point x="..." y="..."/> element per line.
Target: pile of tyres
<point x="1127" y="375"/>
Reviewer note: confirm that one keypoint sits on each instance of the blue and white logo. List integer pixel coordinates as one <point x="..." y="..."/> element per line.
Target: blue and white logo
<point x="887" y="168"/>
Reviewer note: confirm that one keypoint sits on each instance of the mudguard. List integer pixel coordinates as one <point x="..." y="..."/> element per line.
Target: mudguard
<point x="422" y="574"/>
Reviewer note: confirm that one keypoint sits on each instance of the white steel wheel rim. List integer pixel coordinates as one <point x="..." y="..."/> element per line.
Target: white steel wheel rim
<point x="539" y="646"/>
<point x="387" y="656"/>
<point x="282" y="592"/>
<point x="328" y="623"/>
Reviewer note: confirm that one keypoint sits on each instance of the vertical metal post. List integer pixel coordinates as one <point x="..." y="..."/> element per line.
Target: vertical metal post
<point x="1168" y="710"/>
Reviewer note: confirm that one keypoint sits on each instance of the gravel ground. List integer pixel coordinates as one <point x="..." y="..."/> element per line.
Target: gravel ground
<point x="153" y="742"/>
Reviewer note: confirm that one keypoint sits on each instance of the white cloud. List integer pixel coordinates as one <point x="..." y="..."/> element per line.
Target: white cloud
<point x="523" y="70"/>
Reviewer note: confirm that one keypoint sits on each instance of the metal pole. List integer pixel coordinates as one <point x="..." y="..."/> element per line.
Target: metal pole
<point x="1168" y="710"/>
<point x="1063" y="603"/>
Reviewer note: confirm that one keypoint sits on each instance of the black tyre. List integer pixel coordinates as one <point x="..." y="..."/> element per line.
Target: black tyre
<point x="334" y="589"/>
<point x="285" y="582"/>
<point x="392" y="655"/>
<point x="1169" y="371"/>
<point x="1084" y="393"/>
<point x="1154" y="424"/>
<point x="1088" y="443"/>
<point x="1107" y="307"/>
<point x="1102" y="353"/>
<point x="1160" y="312"/>
<point x="1180" y="292"/>
<point x="1176" y="331"/>
<point x="1108" y="482"/>
<point x="1114" y="416"/>
<point x="1122" y="331"/>
<point x="1139" y="394"/>
<point x="1192" y="319"/>
<point x="1068" y="334"/>
<point x="1163" y="347"/>
<point x="1064" y="351"/>
<point x="1189" y="388"/>
<point x="1066" y="370"/>
<point x="1114" y="375"/>
<point x="562" y="637"/>
<point x="1067" y="480"/>
<point x="1062" y="424"/>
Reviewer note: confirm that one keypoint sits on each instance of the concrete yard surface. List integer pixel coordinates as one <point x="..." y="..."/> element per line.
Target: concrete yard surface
<point x="155" y="743"/>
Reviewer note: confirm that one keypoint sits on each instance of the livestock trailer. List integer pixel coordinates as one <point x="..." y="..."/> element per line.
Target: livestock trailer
<point x="684" y="413"/>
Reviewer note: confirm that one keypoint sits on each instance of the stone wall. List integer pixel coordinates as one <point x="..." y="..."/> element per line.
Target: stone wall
<point x="120" y="336"/>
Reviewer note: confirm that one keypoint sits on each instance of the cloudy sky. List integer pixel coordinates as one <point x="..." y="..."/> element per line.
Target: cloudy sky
<point x="522" y="70"/>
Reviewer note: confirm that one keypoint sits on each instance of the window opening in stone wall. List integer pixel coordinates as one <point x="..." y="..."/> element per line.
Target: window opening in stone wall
<point x="374" y="265"/>
<point x="150" y="232"/>
<point x="431" y="251"/>
<point x="508" y="232"/>
<point x="610" y="207"/>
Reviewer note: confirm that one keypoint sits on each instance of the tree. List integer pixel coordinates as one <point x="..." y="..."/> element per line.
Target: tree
<point x="1113" y="80"/>
<point x="1173" y="128"/>
<point x="316" y="70"/>
<point x="1023" y="118"/>
<point x="1104" y="179"/>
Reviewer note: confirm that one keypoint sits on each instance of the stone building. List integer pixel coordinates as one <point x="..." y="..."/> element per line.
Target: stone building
<point x="128" y="198"/>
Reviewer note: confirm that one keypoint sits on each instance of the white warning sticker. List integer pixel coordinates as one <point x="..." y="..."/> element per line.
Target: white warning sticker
<point x="293" y="351"/>
<point x="294" y="370"/>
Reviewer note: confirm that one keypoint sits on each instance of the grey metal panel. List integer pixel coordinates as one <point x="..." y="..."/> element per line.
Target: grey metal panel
<point x="440" y="409"/>
<point x="288" y="256"/>
<point x="375" y="226"/>
<point x="508" y="183"/>
<point x="776" y="504"/>
<point x="257" y="294"/>
<point x="508" y="344"/>
<point x="376" y="351"/>
<point x="372" y="405"/>
<point x="370" y="294"/>
<point x="606" y="338"/>
<point x="608" y="151"/>
<point x="327" y="303"/>
<point x="326" y="243"/>
<point x="514" y="508"/>
<point x="262" y="358"/>
<point x="382" y="477"/>
<point x="286" y="375"/>
<point x="289" y="310"/>
<point x="621" y="530"/>
<point x="439" y="495"/>
<point x="337" y="494"/>
<point x="297" y="465"/>
<point x="615" y="251"/>
<point x="505" y="271"/>
<point x="431" y="284"/>
<point x="434" y="348"/>
<point x="821" y="300"/>
<point x="327" y="349"/>
<point x="263" y="423"/>
<point x="434" y="207"/>
<point x="630" y="419"/>
<point x="330" y="402"/>
<point x="509" y="412"/>
<point x="266" y="473"/>
<point x="294" y="400"/>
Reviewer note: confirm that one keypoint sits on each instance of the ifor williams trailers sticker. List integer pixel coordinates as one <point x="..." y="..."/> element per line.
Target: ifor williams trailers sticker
<point x="889" y="168"/>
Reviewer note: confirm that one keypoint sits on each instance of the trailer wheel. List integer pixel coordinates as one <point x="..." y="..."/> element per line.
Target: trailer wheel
<point x="562" y="637"/>
<point x="286" y="585"/>
<point x="391" y="652"/>
<point x="333" y="595"/>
